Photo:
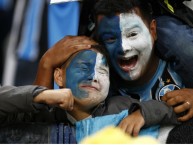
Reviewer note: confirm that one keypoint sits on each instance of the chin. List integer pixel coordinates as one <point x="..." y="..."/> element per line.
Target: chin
<point x="96" y="98"/>
<point x="132" y="76"/>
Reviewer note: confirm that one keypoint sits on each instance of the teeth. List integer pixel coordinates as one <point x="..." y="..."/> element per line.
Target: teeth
<point x="127" y="58"/>
<point x="127" y="63"/>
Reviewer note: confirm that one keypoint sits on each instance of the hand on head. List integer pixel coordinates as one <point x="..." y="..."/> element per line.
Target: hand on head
<point x="57" y="55"/>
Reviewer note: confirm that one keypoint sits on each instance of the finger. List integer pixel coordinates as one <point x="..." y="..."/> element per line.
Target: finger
<point x="186" y="117"/>
<point x="81" y="47"/>
<point x="181" y="108"/>
<point x="175" y="100"/>
<point x="122" y="125"/>
<point x="75" y="48"/>
<point x="136" y="130"/>
<point x="129" y="129"/>
<point x="82" y="40"/>
<point x="170" y="95"/>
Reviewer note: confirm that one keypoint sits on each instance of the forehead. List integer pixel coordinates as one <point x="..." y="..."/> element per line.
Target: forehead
<point x="115" y="19"/>
<point x="89" y="57"/>
<point x="130" y="20"/>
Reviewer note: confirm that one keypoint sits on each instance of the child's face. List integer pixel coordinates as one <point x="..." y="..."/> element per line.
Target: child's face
<point x="129" y="43"/>
<point x="87" y="75"/>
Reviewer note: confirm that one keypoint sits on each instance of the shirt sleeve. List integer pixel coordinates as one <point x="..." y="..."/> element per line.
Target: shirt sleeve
<point x="155" y="112"/>
<point x="19" y="99"/>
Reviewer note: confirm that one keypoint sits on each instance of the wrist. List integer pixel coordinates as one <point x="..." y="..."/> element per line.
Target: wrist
<point x="45" y="63"/>
<point x="40" y="98"/>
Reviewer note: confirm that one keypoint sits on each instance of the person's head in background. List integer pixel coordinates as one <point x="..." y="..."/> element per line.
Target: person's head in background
<point x="127" y="30"/>
<point x="86" y="73"/>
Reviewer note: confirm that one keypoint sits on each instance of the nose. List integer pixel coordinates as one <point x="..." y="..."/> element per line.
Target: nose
<point x="126" y="47"/>
<point x="93" y="77"/>
<point x="123" y="51"/>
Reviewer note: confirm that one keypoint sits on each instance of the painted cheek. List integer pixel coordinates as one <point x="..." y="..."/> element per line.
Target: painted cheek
<point x="109" y="29"/>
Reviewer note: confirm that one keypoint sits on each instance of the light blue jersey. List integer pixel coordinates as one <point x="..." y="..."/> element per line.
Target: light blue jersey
<point x="165" y="79"/>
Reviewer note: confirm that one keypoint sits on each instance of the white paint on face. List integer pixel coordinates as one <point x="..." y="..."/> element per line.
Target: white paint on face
<point x="136" y="43"/>
<point x="100" y="80"/>
<point x="102" y="73"/>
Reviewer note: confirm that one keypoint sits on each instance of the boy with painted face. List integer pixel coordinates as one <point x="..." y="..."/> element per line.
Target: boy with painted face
<point x="86" y="73"/>
<point x="128" y="32"/>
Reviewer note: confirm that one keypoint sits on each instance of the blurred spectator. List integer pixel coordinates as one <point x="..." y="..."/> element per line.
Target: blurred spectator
<point x="36" y="27"/>
<point x="6" y="11"/>
<point x="28" y="34"/>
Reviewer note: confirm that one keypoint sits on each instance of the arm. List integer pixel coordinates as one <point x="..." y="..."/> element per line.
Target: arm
<point x="57" y="55"/>
<point x="148" y="113"/>
<point x="153" y="111"/>
<point x="145" y="113"/>
<point x="17" y="103"/>
<point x="156" y="112"/>
<point x="14" y="99"/>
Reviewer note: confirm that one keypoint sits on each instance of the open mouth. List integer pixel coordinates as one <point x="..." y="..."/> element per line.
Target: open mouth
<point x="128" y="63"/>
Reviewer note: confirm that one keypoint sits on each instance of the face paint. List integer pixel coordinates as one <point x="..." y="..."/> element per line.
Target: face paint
<point x="87" y="76"/>
<point x="128" y="42"/>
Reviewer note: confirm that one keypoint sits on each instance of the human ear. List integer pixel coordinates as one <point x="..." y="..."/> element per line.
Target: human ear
<point x="58" y="77"/>
<point x="153" y="29"/>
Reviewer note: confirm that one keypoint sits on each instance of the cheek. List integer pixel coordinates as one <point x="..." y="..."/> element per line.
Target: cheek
<point x="72" y="81"/>
<point x="141" y="43"/>
<point x="114" y="49"/>
<point x="104" y="81"/>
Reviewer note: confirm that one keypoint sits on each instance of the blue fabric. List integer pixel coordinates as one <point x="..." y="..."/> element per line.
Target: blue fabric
<point x="89" y="126"/>
<point x="5" y="4"/>
<point x="61" y="134"/>
<point x="151" y="90"/>
<point x="28" y="48"/>
<point x="63" y="19"/>
<point x="175" y="43"/>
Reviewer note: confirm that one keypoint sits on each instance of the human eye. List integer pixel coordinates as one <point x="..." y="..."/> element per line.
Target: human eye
<point x="83" y="67"/>
<point x="131" y="34"/>
<point x="103" y="71"/>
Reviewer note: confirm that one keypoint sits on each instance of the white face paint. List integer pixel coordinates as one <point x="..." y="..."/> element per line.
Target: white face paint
<point x="88" y="78"/>
<point x="100" y="79"/>
<point x="102" y="76"/>
<point x="136" y="45"/>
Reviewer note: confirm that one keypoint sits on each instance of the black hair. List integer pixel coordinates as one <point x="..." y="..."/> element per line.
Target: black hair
<point x="112" y="7"/>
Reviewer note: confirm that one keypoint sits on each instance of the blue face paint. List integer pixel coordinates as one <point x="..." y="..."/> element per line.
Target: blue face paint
<point x="129" y="44"/>
<point x="109" y="34"/>
<point x="86" y="67"/>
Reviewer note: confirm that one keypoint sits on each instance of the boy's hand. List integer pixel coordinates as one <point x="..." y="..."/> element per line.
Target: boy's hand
<point x="61" y="98"/>
<point x="132" y="123"/>
<point x="57" y="55"/>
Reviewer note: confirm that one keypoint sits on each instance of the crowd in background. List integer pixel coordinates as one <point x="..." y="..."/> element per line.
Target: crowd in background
<point x="28" y="29"/>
